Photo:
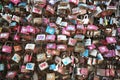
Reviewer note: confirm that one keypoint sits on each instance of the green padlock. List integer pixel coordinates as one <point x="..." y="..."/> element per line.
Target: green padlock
<point x="0" y="6"/>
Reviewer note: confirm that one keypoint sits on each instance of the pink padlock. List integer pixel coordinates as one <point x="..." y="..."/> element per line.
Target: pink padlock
<point x="51" y="46"/>
<point x="31" y="29"/>
<point x="92" y="27"/>
<point x="91" y="47"/>
<point x="50" y="37"/>
<point x="65" y="32"/>
<point x="74" y="1"/>
<point x="24" y="30"/>
<point x="111" y="40"/>
<point x="7" y="48"/>
<point x="16" y="37"/>
<point x="103" y="49"/>
<point x="15" y="1"/>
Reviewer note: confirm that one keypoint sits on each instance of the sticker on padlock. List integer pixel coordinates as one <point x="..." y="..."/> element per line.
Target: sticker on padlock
<point x="72" y="42"/>
<point x="52" y="67"/>
<point x="64" y="24"/>
<point x="36" y="10"/>
<point x="58" y="60"/>
<point x="50" y="30"/>
<point x="29" y="46"/>
<point x="16" y="58"/>
<point x="51" y="46"/>
<point x="70" y="28"/>
<point x="50" y="37"/>
<point x="40" y="37"/>
<point x="43" y="66"/>
<point x="30" y="66"/>
<point x="61" y="37"/>
<point x="16" y="18"/>
<point x="41" y="57"/>
<point x="66" y="61"/>
<point x="7" y="17"/>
